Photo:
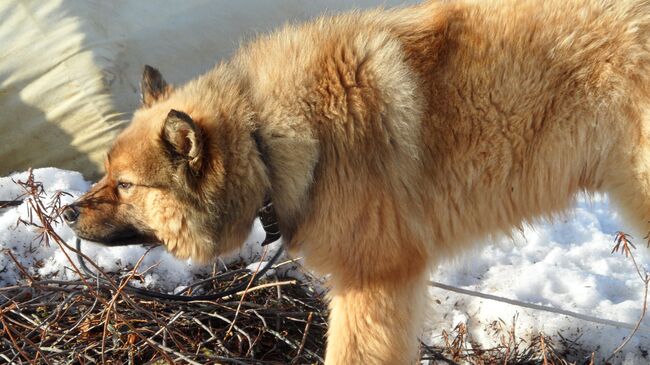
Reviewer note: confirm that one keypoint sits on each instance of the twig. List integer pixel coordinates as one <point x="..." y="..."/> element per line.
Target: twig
<point x="304" y="338"/>
<point x="112" y="302"/>
<point x="624" y="244"/>
<point x="259" y="266"/>
<point x="171" y="351"/>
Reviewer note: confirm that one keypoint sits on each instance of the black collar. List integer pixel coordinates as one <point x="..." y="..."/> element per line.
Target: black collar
<point x="269" y="220"/>
<point x="266" y="213"/>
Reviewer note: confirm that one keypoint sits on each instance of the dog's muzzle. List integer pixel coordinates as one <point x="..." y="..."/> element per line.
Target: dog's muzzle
<point x="70" y="214"/>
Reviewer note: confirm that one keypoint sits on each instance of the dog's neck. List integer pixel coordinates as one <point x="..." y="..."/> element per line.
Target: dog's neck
<point x="267" y="215"/>
<point x="262" y="149"/>
<point x="289" y="166"/>
<point x="287" y="143"/>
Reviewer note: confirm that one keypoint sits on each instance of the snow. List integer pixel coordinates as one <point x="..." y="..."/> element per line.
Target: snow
<point x="565" y="264"/>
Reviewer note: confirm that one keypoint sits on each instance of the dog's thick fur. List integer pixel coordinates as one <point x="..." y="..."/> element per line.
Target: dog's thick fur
<point x="388" y="140"/>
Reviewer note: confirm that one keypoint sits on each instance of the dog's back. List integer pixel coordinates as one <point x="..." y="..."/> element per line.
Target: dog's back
<point x="448" y="121"/>
<point x="470" y="116"/>
<point x="529" y="104"/>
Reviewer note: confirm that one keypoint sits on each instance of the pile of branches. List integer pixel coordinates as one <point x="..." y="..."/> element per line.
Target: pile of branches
<point x="55" y="322"/>
<point x="88" y="321"/>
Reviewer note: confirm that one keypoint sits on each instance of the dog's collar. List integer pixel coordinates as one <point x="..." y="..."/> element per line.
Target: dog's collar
<point x="266" y="213"/>
<point x="269" y="221"/>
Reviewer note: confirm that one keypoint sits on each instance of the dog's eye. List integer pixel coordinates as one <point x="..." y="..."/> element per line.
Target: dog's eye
<point x="123" y="185"/>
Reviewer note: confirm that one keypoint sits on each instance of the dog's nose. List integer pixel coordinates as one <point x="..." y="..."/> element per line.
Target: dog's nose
<point x="70" y="214"/>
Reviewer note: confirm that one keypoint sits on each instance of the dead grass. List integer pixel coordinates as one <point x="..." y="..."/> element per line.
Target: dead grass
<point x="511" y="349"/>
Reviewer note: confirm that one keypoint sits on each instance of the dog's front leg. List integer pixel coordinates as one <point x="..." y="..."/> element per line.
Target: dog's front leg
<point x="376" y="321"/>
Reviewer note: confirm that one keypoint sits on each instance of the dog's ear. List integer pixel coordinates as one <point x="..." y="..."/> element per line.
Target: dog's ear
<point x="184" y="139"/>
<point x="153" y="86"/>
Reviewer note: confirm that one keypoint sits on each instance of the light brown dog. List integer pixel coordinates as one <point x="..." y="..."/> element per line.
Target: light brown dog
<point x="388" y="140"/>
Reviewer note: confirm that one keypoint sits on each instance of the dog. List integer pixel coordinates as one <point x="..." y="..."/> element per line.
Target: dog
<point x="388" y="141"/>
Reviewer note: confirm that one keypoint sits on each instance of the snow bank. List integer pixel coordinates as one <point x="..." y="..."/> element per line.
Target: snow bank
<point x="566" y="264"/>
<point x="70" y="70"/>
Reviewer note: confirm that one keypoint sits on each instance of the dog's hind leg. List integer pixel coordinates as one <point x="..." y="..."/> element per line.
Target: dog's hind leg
<point x="378" y="321"/>
<point x="627" y="175"/>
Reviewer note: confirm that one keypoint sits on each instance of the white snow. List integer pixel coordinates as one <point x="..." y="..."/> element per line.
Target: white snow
<point x="566" y="264"/>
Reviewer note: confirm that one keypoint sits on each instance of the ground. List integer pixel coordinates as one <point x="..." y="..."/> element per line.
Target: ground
<point x="566" y="264"/>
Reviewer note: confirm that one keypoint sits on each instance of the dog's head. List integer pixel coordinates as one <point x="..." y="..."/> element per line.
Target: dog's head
<point x="185" y="173"/>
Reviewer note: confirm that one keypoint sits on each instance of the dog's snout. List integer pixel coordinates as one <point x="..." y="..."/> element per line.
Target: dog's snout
<point x="70" y="213"/>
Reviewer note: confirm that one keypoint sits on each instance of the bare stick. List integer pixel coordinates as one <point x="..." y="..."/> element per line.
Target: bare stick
<point x="259" y="266"/>
<point x="625" y="245"/>
<point x="304" y="339"/>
